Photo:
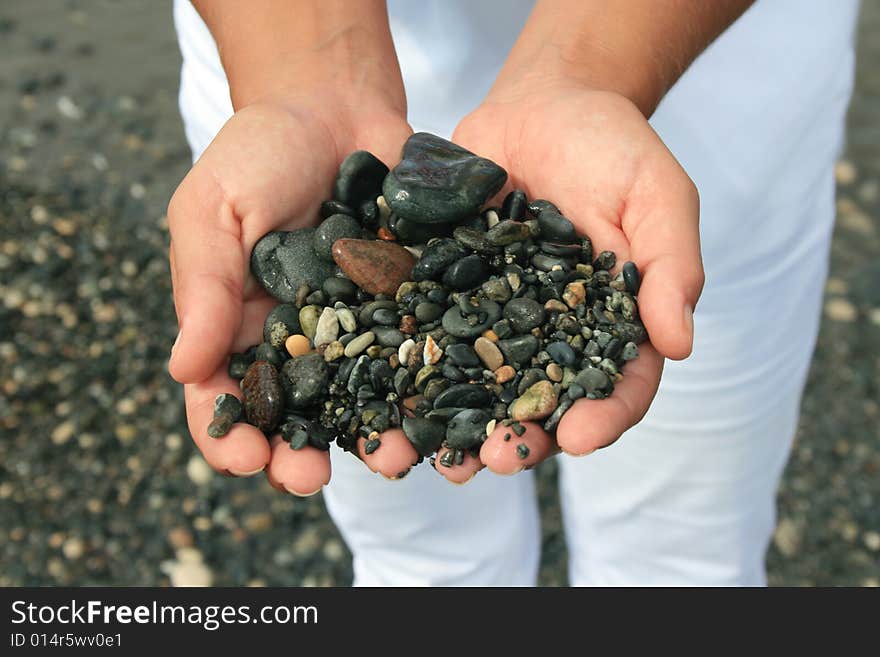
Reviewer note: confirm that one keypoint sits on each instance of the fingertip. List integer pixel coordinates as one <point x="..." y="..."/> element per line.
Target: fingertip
<point x="506" y="453"/>
<point x="301" y="472"/>
<point x="393" y="457"/>
<point x="461" y="473"/>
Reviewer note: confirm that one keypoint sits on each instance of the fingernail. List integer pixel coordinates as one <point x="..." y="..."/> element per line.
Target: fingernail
<point x="246" y="474"/>
<point x="174" y="346"/>
<point x="576" y="455"/>
<point x="293" y="492"/>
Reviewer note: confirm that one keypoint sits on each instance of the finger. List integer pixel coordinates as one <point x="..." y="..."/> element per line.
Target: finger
<point x="506" y="453"/>
<point x="393" y="458"/>
<point x="302" y="472"/>
<point x="593" y="423"/>
<point x="458" y="473"/>
<point x="208" y="277"/>
<point x="661" y="221"/>
<point x="244" y="451"/>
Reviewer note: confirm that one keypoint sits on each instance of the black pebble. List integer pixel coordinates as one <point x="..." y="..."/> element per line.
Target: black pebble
<point x="514" y="205"/>
<point x="359" y="179"/>
<point x="631" y="277"/>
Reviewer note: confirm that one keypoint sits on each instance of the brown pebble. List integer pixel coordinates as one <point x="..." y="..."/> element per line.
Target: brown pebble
<point x="536" y="403"/>
<point x="297" y="345"/>
<point x="410" y="403"/>
<point x="489" y="353"/>
<point x="263" y="401"/>
<point x="555" y="305"/>
<point x="575" y="293"/>
<point x="377" y="267"/>
<point x="491" y="335"/>
<point x="554" y="372"/>
<point x="504" y="374"/>
<point x="409" y="325"/>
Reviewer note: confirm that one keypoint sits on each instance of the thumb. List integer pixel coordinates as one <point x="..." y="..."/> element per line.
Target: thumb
<point x="208" y="276"/>
<point x="662" y="224"/>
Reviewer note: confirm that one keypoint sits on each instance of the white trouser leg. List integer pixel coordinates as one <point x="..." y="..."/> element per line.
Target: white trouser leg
<point x="422" y="530"/>
<point x="687" y="497"/>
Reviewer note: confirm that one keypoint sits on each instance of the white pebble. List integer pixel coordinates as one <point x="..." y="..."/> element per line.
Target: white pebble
<point x="328" y="328"/>
<point x="491" y="427"/>
<point x="404" y="350"/>
<point x="384" y="210"/>
<point x="346" y="319"/>
<point x="492" y="218"/>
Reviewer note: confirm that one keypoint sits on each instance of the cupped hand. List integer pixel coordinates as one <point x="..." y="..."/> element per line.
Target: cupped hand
<point x="595" y="156"/>
<point x="268" y="169"/>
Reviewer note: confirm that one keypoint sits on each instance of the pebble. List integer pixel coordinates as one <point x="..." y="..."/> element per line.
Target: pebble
<point x="346" y="319"/>
<point x="308" y="320"/>
<point x="238" y="364"/>
<point x="371" y="446"/>
<point x="428" y="312"/>
<point x="488" y="353"/>
<point x="594" y="381"/>
<point x="561" y="352"/>
<point x="464" y="395"/>
<point x="263" y="401"/>
<point x="466" y="273"/>
<point x="554" y="372"/>
<point x="303" y="379"/>
<point x="283" y="260"/>
<point x="335" y="227"/>
<point x="515" y="205"/>
<point x="497" y="289"/>
<point x="518" y="351"/>
<point x="504" y="374"/>
<point x="605" y="260"/>
<point x="437" y="181"/>
<point x="438" y="255"/>
<point x="297" y="345"/>
<point x="631" y="277"/>
<point x="334" y="351"/>
<point x="425" y="435"/>
<point x="327" y="329"/>
<point x="467" y="429"/>
<point x="281" y="322"/>
<point x="377" y="267"/>
<point x="359" y="344"/>
<point x="524" y="314"/>
<point x="268" y="353"/>
<point x="359" y="179"/>
<point x="574" y="294"/>
<point x="840" y="310"/>
<point x="404" y="350"/>
<point x="388" y="336"/>
<point x="522" y="451"/>
<point x="507" y="232"/>
<point x="538" y="205"/>
<point x="432" y="353"/>
<point x="538" y="402"/>
<point x="331" y="207"/>
<point x="555" y="227"/>
<point x="227" y="410"/>
<point x="457" y="324"/>
<point x="463" y="355"/>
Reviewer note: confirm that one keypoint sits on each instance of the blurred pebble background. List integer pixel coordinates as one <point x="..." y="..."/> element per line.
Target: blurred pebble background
<point x="99" y="481"/>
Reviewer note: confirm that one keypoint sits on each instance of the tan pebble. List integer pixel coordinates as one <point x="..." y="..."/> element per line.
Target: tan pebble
<point x="555" y="305"/>
<point x="575" y="293"/>
<point x="840" y="309"/>
<point x="490" y="427"/>
<point x="504" y="374"/>
<point x="488" y="353"/>
<point x="536" y="403"/>
<point x="491" y="335"/>
<point x="554" y="372"/>
<point x="845" y="172"/>
<point x="297" y="345"/>
<point x="333" y="351"/>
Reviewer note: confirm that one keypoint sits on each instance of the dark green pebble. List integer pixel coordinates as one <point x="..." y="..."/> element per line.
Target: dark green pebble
<point x="436" y="258"/>
<point x="425" y="435"/>
<point x="340" y="289"/>
<point x="466" y="395"/>
<point x="428" y="312"/>
<point x="228" y="410"/>
<point x="386" y="317"/>
<point x="281" y="322"/>
<point x="529" y="378"/>
<point x="303" y="379"/>
<point x="297" y="437"/>
<point x="466" y="273"/>
<point x="514" y="206"/>
<point x="546" y="262"/>
<point x="463" y="355"/>
<point x="555" y="227"/>
<point x="459" y="456"/>
<point x="523" y="314"/>
<point x="575" y="391"/>
<point x="368" y="214"/>
<point x="502" y="328"/>
<point x="522" y="451"/>
<point x="371" y="445"/>
<point x="360" y="178"/>
<point x="467" y="429"/>
<point x="283" y="260"/>
<point x="613" y="348"/>
<point x="458" y="325"/>
<point x="335" y="227"/>
<point x="538" y="205"/>
<point x="329" y="208"/>
<point x="517" y="428"/>
<point x="594" y="381"/>
<point x="561" y="352"/>
<point x="605" y="260"/>
<point x="388" y="336"/>
<point x="518" y="351"/>
<point x="269" y="354"/>
<point x="506" y="437"/>
<point x="630" y="351"/>
<point x="238" y="365"/>
<point x="474" y="240"/>
<point x="631" y="277"/>
<point x="448" y="458"/>
<point x="552" y="422"/>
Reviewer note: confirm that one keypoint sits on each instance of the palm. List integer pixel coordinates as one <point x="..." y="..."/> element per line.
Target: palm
<point x="268" y="169"/>
<point x="597" y="158"/>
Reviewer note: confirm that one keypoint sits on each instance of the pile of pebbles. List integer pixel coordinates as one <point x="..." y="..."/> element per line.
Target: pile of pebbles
<point x="411" y="305"/>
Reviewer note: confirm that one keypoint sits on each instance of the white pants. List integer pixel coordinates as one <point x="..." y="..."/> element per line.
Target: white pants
<point x="687" y="496"/>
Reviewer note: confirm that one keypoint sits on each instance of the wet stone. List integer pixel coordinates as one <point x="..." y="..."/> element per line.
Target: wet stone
<point x="304" y="379"/>
<point x="524" y="314"/>
<point x="388" y="336"/>
<point x="281" y="322"/>
<point x="331" y="207"/>
<point x="359" y="178"/>
<point x="467" y="429"/>
<point x="377" y="267"/>
<point x="456" y="324"/>
<point x="335" y="227"/>
<point x="594" y="382"/>
<point x="327" y="328"/>
<point x="475" y="240"/>
<point x="437" y="257"/>
<point x="281" y="261"/>
<point x="488" y="353"/>
<point x="268" y="353"/>
<point x="359" y="344"/>
<point x="371" y="446"/>
<point x="555" y="227"/>
<point x="425" y="435"/>
<point x="507" y="232"/>
<point x="463" y="355"/>
<point x="518" y="351"/>
<point x="437" y="181"/>
<point x="522" y="451"/>
<point x="514" y="205"/>
<point x="561" y="352"/>
<point x="428" y="312"/>
<point x="227" y="410"/>
<point x="263" y="402"/>
<point x="308" y="320"/>
<point x="538" y="205"/>
<point x="496" y="289"/>
<point x="605" y="260"/>
<point x="630" y="351"/>
<point x="466" y="273"/>
<point x="464" y="395"/>
<point x="238" y="365"/>
<point x="631" y="277"/>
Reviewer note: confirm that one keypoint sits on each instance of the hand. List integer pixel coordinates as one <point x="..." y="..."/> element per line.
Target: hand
<point x="268" y="169"/>
<point x="595" y="156"/>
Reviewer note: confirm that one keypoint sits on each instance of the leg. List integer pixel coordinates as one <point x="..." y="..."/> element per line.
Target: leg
<point x="687" y="496"/>
<point x="422" y="530"/>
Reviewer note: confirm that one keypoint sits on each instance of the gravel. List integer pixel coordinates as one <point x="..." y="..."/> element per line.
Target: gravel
<point x="99" y="481"/>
